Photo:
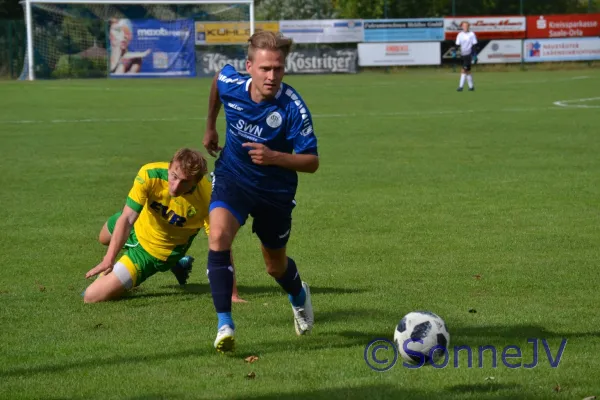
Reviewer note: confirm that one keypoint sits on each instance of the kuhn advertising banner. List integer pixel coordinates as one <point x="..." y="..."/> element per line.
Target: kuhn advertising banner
<point x="151" y="48"/>
<point x="486" y="28"/>
<point x="399" y="30"/>
<point x="389" y="54"/>
<point x="209" y="33"/>
<point x="558" y="26"/>
<point x="500" y="52"/>
<point x="299" y="61"/>
<point x="581" y="49"/>
<point x="323" y="31"/>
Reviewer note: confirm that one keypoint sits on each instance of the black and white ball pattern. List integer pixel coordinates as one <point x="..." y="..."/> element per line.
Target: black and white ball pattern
<point x="426" y="327"/>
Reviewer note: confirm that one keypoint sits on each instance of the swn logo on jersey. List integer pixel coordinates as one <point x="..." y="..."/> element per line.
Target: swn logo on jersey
<point x="167" y="214"/>
<point x="249" y="128"/>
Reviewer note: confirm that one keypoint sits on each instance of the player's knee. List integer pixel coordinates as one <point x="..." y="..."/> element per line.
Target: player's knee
<point x="107" y="287"/>
<point x="103" y="240"/>
<point x="104" y="236"/>
<point x="276" y="271"/>
<point x="220" y="238"/>
<point x="92" y="295"/>
<point x="97" y="295"/>
<point x="275" y="264"/>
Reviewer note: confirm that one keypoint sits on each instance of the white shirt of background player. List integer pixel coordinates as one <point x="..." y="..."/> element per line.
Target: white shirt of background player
<point x="466" y="41"/>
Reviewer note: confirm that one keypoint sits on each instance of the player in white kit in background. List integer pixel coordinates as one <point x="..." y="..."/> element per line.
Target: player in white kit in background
<point x="468" y="50"/>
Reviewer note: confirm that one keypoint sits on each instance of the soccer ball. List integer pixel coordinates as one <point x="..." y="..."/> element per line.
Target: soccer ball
<point x="417" y="334"/>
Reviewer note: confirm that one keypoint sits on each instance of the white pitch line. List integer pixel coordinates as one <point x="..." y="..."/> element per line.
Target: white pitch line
<point x="98" y="120"/>
<point x="568" y="103"/>
<point x="393" y="114"/>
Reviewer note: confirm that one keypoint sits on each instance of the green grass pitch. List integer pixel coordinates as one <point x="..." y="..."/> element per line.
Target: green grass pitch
<point x="426" y="198"/>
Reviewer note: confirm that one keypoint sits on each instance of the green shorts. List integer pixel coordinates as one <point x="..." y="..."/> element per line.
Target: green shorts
<point x="140" y="264"/>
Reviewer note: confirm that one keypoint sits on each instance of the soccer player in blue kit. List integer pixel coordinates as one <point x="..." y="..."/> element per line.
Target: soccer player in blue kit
<point x="269" y="139"/>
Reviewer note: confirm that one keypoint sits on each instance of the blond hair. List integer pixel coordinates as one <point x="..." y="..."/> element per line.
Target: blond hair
<point x="191" y="162"/>
<point x="267" y="40"/>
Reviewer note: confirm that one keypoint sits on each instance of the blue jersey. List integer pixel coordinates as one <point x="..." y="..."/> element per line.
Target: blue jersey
<point x="283" y="124"/>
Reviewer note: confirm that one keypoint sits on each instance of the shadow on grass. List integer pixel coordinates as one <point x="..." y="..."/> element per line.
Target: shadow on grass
<point x="513" y="332"/>
<point x="528" y="338"/>
<point x="371" y="392"/>
<point x="289" y="343"/>
<point x="193" y="288"/>
<point x="161" y="396"/>
<point x="349" y="339"/>
<point x="479" y="388"/>
<point x="109" y="362"/>
<point x="149" y="396"/>
<point x="388" y="391"/>
<point x="276" y="289"/>
<point x="356" y="341"/>
<point x="204" y="289"/>
<point x="350" y="315"/>
<point x="142" y="295"/>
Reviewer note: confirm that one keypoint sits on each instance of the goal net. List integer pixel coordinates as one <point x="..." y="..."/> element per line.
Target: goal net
<point x="102" y="38"/>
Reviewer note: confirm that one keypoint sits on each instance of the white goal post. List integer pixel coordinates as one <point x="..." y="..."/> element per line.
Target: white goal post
<point x="29" y="21"/>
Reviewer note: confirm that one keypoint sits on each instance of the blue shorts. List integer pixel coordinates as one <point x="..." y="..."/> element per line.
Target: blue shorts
<point x="272" y="215"/>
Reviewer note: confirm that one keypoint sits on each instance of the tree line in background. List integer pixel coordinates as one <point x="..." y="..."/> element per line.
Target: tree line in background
<point x="440" y="8"/>
<point x="322" y="9"/>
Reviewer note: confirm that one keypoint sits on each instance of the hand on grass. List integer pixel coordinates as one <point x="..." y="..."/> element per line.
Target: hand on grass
<point x="104" y="266"/>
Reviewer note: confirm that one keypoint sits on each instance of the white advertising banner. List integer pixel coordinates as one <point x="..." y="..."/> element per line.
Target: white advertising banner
<point x="323" y="31"/>
<point x="389" y="54"/>
<point x="486" y="28"/>
<point x="580" y="49"/>
<point x="500" y="52"/>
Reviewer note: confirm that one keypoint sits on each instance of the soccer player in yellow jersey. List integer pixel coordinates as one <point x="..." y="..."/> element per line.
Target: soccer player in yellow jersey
<point x="164" y="211"/>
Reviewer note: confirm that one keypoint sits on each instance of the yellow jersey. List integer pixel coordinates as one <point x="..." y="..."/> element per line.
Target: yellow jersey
<point x="167" y="225"/>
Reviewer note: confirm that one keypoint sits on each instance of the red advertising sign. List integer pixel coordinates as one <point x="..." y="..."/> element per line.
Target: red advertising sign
<point x="563" y="26"/>
<point x="486" y="28"/>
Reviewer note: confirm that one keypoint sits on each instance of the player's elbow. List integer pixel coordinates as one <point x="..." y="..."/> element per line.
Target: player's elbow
<point x="128" y="217"/>
<point x="313" y="165"/>
<point x="130" y="220"/>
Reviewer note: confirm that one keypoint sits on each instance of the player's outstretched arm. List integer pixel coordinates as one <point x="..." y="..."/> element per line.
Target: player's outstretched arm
<point x="119" y="237"/>
<point x="211" y="136"/>
<point x="262" y="155"/>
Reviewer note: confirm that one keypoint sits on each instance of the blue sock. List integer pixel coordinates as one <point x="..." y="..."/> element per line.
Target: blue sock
<point x="220" y="277"/>
<point x="225" y="319"/>
<point x="299" y="300"/>
<point x="292" y="284"/>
